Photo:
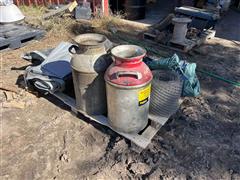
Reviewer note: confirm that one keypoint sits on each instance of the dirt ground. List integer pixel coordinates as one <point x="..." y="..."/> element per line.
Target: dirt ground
<point x="41" y="139"/>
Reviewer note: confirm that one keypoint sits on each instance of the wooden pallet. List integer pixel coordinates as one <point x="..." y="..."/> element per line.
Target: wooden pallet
<point x="185" y="47"/>
<point x="138" y="141"/>
<point x="13" y="36"/>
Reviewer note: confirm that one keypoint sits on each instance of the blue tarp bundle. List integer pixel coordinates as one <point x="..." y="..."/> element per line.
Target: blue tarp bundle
<point x="48" y="76"/>
<point x="187" y="71"/>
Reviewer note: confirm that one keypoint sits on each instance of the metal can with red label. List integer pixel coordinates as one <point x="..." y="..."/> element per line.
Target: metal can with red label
<point x="128" y="84"/>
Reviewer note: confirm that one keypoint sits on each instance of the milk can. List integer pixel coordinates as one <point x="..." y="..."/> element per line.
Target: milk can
<point x="89" y="63"/>
<point x="128" y="84"/>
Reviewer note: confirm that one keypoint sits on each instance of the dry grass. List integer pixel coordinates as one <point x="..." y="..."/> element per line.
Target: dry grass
<point x="56" y="26"/>
<point x="116" y="23"/>
<point x="33" y="11"/>
<point x="64" y="24"/>
<point x="106" y="21"/>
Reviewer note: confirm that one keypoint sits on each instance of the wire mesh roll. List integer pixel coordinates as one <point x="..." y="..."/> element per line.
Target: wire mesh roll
<point x="165" y="94"/>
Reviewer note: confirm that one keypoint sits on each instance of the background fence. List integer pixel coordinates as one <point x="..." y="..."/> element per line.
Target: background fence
<point x="39" y="2"/>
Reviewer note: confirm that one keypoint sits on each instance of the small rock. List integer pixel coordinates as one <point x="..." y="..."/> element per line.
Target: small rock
<point x="64" y="157"/>
<point x="235" y="176"/>
<point x="180" y="177"/>
<point x="139" y="168"/>
<point x="155" y="158"/>
<point x="14" y="95"/>
<point x="112" y="29"/>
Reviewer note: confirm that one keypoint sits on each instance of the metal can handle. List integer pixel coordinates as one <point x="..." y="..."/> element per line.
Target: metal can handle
<point x="135" y="74"/>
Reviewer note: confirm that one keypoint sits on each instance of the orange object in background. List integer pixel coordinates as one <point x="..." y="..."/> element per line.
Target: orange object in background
<point x="105" y="7"/>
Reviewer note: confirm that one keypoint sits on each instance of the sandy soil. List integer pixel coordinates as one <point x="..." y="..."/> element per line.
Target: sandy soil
<point x="41" y="139"/>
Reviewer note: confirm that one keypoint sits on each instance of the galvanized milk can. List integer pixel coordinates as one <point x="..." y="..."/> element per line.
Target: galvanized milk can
<point x="128" y="84"/>
<point x="89" y="63"/>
